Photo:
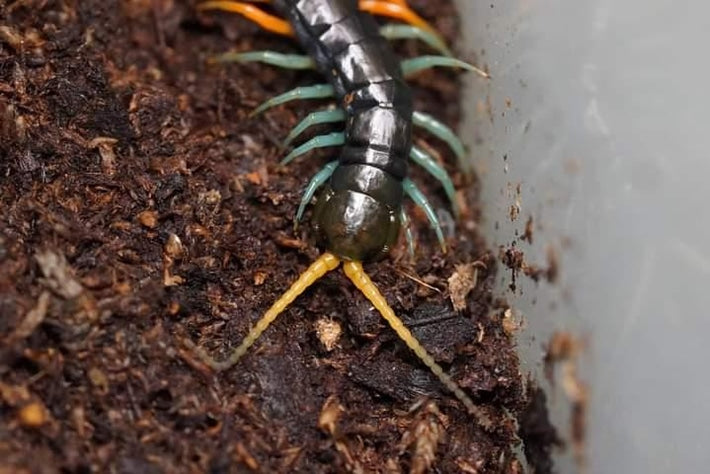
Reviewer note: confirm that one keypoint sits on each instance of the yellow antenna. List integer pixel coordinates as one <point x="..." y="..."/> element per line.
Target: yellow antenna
<point x="357" y="275"/>
<point x="320" y="267"/>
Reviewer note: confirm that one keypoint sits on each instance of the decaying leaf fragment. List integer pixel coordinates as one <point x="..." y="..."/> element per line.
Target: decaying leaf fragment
<point x="423" y="437"/>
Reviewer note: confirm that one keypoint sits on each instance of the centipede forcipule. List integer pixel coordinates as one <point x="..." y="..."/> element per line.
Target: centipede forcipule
<point x="359" y="211"/>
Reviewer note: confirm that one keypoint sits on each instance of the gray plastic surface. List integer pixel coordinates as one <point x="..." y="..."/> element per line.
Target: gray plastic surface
<point x="600" y="108"/>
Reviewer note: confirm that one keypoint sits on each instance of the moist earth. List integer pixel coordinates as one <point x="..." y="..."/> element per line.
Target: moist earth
<point x="142" y="209"/>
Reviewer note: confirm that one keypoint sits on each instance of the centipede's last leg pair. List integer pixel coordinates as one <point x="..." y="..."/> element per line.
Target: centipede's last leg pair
<point x="360" y="212"/>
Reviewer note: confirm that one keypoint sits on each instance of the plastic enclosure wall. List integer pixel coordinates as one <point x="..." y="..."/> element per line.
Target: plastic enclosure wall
<point x="600" y="108"/>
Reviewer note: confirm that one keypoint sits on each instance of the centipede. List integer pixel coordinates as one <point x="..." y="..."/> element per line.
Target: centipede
<point x="359" y="212"/>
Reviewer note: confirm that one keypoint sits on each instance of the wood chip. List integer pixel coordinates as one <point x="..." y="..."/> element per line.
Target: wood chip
<point x="58" y="275"/>
<point x="32" y="319"/>
<point x="148" y="218"/>
<point x="329" y="332"/>
<point x="33" y="415"/>
<point x="461" y="283"/>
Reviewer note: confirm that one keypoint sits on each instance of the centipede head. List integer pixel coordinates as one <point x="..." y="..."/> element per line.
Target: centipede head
<point x="354" y="226"/>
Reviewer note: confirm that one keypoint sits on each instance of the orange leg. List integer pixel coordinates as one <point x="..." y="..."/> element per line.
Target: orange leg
<point x="265" y="20"/>
<point x="398" y="2"/>
<point x="395" y="9"/>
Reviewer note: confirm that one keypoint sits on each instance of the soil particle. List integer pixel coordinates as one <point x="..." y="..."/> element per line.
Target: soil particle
<point x="539" y="435"/>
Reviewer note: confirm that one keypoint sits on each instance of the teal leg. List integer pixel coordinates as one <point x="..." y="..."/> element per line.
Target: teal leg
<point x="426" y="161"/>
<point x="321" y="141"/>
<point x="414" y="65"/>
<point x="420" y="200"/>
<point x="316" y="182"/>
<point x="404" y="219"/>
<point x="287" y="61"/>
<point x="441" y="131"/>
<point x="315" y="118"/>
<point x="393" y="31"/>
<point x="318" y="91"/>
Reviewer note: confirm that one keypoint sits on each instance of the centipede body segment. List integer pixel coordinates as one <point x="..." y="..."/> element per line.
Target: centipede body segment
<point x="359" y="211"/>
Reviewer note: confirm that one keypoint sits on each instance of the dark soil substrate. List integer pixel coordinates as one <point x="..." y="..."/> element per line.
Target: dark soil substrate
<point x="142" y="208"/>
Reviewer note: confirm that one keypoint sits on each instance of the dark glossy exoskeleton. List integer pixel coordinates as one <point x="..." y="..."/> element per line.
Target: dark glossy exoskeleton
<point x="358" y="213"/>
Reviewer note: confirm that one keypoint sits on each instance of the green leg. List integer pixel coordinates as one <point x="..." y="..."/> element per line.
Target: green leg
<point x="321" y="141"/>
<point x="414" y="65"/>
<point x="318" y="91"/>
<point x="426" y="161"/>
<point x="287" y="61"/>
<point x="406" y="225"/>
<point x="420" y="200"/>
<point x="316" y="182"/>
<point x="315" y="118"/>
<point x="441" y="131"/>
<point x="393" y="31"/>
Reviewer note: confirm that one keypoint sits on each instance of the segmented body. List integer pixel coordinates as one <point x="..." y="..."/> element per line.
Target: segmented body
<point x="359" y="210"/>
